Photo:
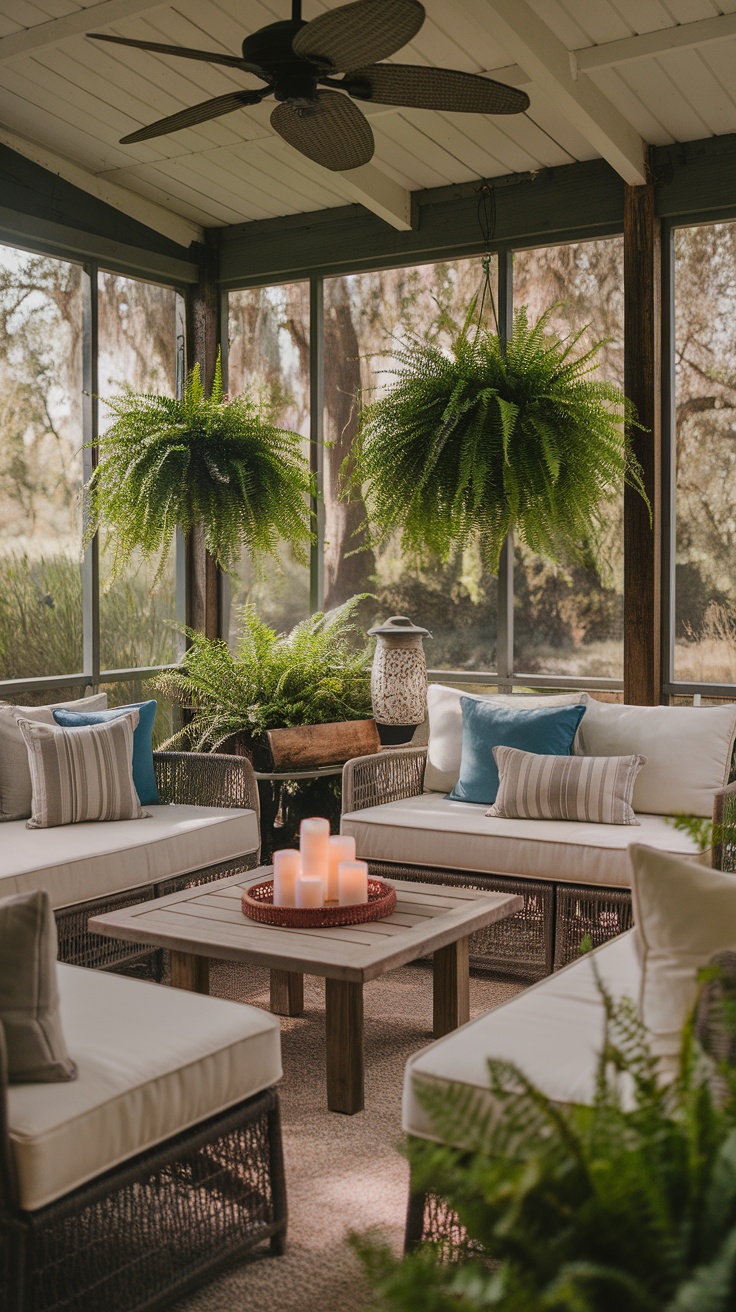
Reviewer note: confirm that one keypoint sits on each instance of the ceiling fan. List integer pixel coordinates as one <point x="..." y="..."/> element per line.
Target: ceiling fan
<point x="297" y="59"/>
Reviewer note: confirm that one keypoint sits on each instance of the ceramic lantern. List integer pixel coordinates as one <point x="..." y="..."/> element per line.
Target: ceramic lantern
<point x="399" y="678"/>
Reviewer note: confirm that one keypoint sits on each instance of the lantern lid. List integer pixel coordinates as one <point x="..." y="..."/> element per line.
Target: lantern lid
<point x="398" y="626"/>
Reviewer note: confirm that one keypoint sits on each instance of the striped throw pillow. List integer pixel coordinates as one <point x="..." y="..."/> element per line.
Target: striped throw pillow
<point x="598" y="789"/>
<point x="81" y="774"/>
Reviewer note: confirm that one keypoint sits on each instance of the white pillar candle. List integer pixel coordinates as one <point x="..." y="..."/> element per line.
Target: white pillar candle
<point x="287" y="867"/>
<point x="352" y="881"/>
<point x="314" y="844"/>
<point x="310" y="891"/>
<point x="342" y="848"/>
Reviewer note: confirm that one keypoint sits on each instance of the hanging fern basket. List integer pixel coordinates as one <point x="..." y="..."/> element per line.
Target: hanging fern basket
<point x="194" y="462"/>
<point x="496" y="437"/>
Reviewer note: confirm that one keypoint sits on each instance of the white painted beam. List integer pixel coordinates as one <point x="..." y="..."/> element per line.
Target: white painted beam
<point x="368" y="186"/>
<point x="174" y="226"/>
<point x="537" y="49"/>
<point x="686" y="36"/>
<point x="76" y="24"/>
<point x="374" y="189"/>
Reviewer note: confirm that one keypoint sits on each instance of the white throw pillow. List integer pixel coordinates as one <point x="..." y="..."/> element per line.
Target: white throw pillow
<point x="688" y="751"/>
<point x="15" y="774"/>
<point x="683" y="913"/>
<point x="446" y="728"/>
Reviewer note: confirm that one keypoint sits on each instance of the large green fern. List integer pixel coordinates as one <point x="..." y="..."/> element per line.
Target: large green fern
<point x="493" y="438"/>
<point x="198" y="461"/>
<point x="315" y="674"/>
<point x="626" y="1205"/>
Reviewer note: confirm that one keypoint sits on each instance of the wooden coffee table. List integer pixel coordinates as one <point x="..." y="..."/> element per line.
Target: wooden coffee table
<point x="207" y="922"/>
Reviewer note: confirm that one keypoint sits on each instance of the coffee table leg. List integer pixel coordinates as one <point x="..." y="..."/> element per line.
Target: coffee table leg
<point x="287" y="993"/>
<point x="345" y="1063"/>
<point x="190" y="972"/>
<point x="451" y="987"/>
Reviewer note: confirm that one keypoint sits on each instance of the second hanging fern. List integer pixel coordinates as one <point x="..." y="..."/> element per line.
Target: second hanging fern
<point x="468" y="446"/>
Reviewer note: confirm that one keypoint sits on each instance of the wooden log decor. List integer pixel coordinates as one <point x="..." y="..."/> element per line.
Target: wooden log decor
<point x="312" y="745"/>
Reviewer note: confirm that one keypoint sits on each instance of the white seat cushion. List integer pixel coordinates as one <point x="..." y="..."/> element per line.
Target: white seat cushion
<point x="553" y="1032"/>
<point x="434" y="832"/>
<point x="87" y="861"/>
<point x="152" y="1061"/>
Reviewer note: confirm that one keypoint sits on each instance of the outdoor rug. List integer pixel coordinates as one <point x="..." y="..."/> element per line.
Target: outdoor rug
<point x="343" y="1173"/>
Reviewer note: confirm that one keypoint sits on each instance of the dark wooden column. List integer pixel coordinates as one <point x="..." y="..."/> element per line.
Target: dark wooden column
<point x="643" y="384"/>
<point x="204" y="581"/>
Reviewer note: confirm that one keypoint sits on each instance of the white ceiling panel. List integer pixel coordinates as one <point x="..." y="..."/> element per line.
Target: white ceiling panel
<point x="77" y="98"/>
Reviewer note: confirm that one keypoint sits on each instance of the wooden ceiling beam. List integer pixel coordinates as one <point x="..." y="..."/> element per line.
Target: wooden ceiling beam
<point x="43" y="35"/>
<point x="537" y="49"/>
<point x="686" y="36"/>
<point x="174" y="226"/>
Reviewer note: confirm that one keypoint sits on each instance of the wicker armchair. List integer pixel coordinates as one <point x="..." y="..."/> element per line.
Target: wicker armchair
<point x="190" y="779"/>
<point x="556" y="917"/>
<point x="143" y="1233"/>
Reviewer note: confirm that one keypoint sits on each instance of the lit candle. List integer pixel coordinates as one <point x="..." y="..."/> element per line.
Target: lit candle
<point x="342" y="848"/>
<point x="310" y="891"/>
<point x="314" y="846"/>
<point x="352" y="881"/>
<point x="287" y="867"/>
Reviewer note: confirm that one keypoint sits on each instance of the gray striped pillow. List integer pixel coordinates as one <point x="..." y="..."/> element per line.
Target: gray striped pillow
<point x="598" y="789"/>
<point x="84" y="773"/>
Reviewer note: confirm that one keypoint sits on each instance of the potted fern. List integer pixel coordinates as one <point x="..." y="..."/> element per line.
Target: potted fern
<point x="629" y="1203"/>
<point x="198" y="461"/>
<point x="316" y="675"/>
<point x="496" y="437"/>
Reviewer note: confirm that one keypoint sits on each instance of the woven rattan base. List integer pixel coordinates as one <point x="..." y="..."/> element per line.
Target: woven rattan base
<point x="80" y="948"/>
<point x="592" y="914"/>
<point x="521" y="945"/>
<point x="147" y="1231"/>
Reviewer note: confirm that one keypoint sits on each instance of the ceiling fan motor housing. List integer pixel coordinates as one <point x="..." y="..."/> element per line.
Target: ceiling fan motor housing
<point x="294" y="79"/>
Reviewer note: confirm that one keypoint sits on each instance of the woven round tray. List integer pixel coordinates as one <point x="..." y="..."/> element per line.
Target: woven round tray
<point x="257" y="903"/>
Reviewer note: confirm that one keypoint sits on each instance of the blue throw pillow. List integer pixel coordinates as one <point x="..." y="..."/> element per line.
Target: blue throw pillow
<point x="144" y="775"/>
<point x="548" y="730"/>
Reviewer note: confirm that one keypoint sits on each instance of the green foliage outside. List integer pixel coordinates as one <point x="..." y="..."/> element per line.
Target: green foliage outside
<point x="496" y="438"/>
<point x="41" y="619"/>
<point x="197" y="462"/>
<point x="315" y="674"/>
<point x="628" y="1205"/>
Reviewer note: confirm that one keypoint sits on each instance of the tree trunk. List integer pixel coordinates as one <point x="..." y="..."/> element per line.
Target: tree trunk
<point x="349" y="565"/>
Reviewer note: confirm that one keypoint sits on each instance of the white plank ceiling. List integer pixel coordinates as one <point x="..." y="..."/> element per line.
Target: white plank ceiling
<point x="66" y="101"/>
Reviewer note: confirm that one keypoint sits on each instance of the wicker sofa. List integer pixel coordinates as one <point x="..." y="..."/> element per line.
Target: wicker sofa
<point x="574" y="876"/>
<point x="158" y="1164"/>
<point x="206" y="827"/>
<point x="554" y="1030"/>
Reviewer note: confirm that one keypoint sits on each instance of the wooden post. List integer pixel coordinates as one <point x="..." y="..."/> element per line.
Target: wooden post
<point x="204" y="581"/>
<point x="643" y="672"/>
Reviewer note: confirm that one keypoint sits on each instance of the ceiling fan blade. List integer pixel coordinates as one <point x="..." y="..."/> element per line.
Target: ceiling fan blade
<point x="208" y="56"/>
<point x="360" y="33"/>
<point x="188" y="118"/>
<point x="333" y="132"/>
<point x="433" y="88"/>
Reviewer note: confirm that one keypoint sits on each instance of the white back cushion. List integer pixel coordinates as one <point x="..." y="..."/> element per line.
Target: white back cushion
<point x="446" y="728"/>
<point x="688" y="751"/>
<point x="683" y="914"/>
<point x="15" y="776"/>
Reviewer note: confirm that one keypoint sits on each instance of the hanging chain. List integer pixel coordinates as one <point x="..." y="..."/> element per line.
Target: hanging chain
<point x="487" y="224"/>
